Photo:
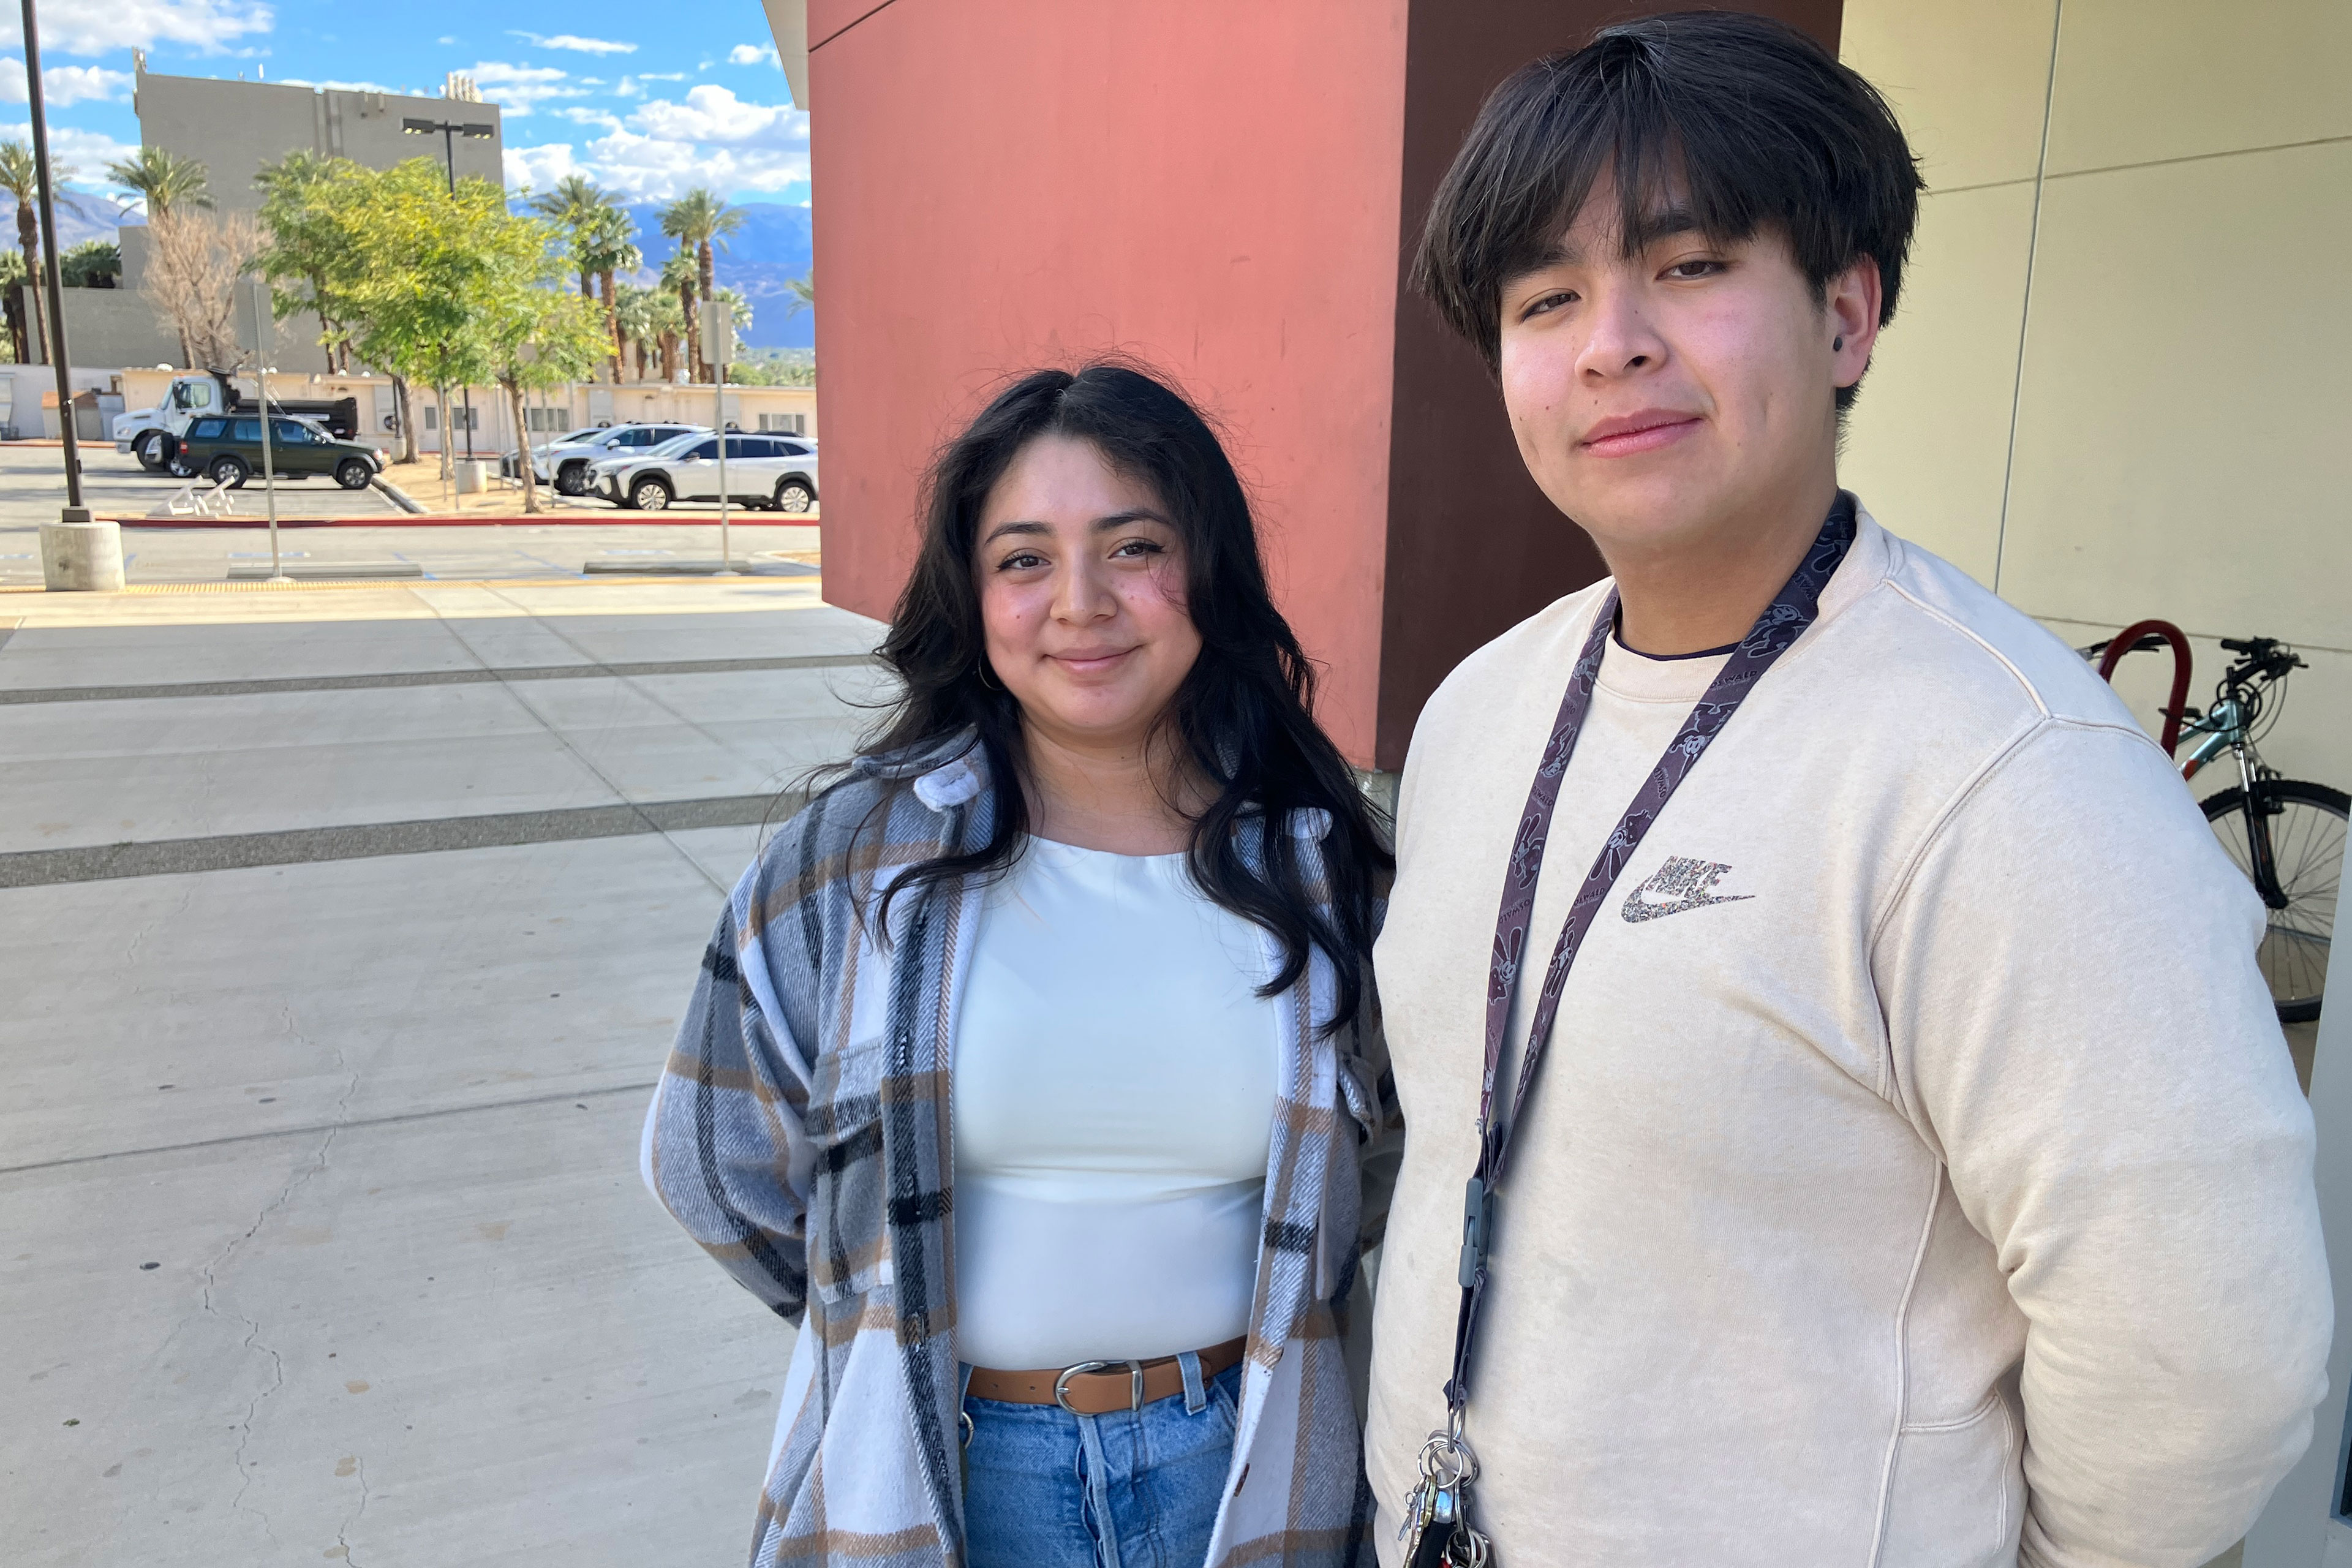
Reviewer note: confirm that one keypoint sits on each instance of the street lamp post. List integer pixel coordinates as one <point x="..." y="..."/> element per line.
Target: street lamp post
<point x="449" y="131"/>
<point x="76" y="550"/>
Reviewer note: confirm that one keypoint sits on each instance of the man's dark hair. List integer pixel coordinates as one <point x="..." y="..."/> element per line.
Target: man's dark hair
<point x="1742" y="122"/>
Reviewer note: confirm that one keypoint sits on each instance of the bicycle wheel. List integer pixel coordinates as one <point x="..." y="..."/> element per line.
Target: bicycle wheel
<point x="2307" y="831"/>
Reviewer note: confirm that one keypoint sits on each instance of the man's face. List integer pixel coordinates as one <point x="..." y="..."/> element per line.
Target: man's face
<point x="1665" y="397"/>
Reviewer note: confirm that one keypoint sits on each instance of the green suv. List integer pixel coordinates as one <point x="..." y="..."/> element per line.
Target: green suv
<point x="226" y="449"/>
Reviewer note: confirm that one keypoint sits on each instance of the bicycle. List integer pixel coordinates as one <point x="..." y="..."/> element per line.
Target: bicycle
<point x="2286" y="834"/>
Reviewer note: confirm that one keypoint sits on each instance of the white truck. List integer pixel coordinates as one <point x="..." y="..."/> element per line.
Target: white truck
<point x="153" y="434"/>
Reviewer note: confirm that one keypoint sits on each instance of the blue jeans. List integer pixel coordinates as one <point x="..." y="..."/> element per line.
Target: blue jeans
<point x="1136" y="1489"/>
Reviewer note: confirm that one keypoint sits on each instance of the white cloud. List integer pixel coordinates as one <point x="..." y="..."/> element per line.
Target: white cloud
<point x="711" y="138"/>
<point x="575" y="42"/>
<point x="536" y="168"/>
<point x="599" y="118"/>
<point x="62" y="85"/>
<point x="712" y="113"/>
<point x="516" y="88"/>
<point x="88" y="152"/>
<point x="83" y="27"/>
<point x="752" y="54"/>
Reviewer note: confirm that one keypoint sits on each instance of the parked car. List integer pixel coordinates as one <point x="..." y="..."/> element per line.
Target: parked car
<point x="154" y="434"/>
<point x="565" y="461"/>
<point x="226" y="449"/>
<point x="770" y="471"/>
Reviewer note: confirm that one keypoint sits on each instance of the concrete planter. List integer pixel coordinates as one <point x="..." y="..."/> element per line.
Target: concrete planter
<point x="81" y="555"/>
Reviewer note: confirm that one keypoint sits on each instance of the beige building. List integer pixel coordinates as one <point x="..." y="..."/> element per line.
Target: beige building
<point x="2117" y="385"/>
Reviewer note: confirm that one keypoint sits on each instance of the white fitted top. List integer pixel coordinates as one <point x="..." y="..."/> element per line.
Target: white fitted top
<point x="1115" y="1081"/>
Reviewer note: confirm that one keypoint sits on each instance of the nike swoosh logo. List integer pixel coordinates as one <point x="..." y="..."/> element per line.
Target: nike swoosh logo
<point x="1679" y="885"/>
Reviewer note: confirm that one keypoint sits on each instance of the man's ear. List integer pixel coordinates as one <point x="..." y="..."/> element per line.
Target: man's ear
<point x="1851" y="319"/>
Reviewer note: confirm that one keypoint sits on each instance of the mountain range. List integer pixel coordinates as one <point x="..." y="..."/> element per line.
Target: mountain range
<point x="757" y="261"/>
<point x="81" y="215"/>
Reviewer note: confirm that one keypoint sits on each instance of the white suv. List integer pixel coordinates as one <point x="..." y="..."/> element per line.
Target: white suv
<point x="774" y="471"/>
<point x="566" y="460"/>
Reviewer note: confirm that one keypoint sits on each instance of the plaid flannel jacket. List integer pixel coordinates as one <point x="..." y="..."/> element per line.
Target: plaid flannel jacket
<point x="800" y="1133"/>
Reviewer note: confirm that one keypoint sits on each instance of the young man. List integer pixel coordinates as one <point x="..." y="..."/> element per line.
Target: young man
<point x="1914" y="1174"/>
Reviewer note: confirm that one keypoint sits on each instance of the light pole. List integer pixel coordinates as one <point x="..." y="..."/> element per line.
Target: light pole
<point x="449" y="131"/>
<point x="76" y="551"/>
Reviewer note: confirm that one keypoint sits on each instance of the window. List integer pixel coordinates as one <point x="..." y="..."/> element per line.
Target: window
<point x="752" y="446"/>
<point x="246" y="430"/>
<point x="206" y="429"/>
<point x="790" y="423"/>
<point x="459" y="419"/>
<point x="547" y="421"/>
<point x="795" y="449"/>
<point x="705" y="449"/>
<point x="289" y="433"/>
<point x="195" y="394"/>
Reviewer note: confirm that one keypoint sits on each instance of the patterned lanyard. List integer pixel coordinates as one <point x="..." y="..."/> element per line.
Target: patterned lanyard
<point x="1447" y="1465"/>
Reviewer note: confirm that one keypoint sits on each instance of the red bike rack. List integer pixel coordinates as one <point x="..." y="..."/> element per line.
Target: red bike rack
<point x="2123" y="642"/>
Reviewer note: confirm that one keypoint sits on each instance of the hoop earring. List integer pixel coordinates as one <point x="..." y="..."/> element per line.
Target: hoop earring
<point x="1837" y="344"/>
<point x="980" y="670"/>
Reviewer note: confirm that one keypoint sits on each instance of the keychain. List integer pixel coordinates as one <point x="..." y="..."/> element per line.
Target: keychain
<point x="1437" y="1531"/>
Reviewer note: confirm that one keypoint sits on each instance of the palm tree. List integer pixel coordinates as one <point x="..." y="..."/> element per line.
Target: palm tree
<point x="573" y="202"/>
<point x="164" y="178"/>
<point x="697" y="219"/>
<point x="608" y="246"/>
<point x="20" y="177"/>
<point x="803" y="295"/>
<point x="649" y="322"/>
<point x="680" y="274"/>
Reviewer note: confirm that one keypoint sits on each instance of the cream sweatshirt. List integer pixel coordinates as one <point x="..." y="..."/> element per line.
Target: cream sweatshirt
<point x="1917" y="1176"/>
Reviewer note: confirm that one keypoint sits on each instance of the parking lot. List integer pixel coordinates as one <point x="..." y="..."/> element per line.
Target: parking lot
<point x="371" y="529"/>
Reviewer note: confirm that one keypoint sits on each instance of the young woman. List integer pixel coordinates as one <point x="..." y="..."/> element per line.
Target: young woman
<point x="1034" y="1066"/>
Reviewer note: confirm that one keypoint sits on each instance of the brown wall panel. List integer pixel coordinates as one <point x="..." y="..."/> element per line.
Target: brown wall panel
<point x="1473" y="546"/>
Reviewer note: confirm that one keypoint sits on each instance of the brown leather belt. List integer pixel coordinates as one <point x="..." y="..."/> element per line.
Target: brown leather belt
<point x="1100" y="1387"/>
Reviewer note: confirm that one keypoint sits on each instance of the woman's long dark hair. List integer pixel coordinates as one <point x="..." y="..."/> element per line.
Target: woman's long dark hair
<point x="1243" y="715"/>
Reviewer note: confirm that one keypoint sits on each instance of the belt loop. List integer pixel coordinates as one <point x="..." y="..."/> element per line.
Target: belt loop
<point x="1196" y="1394"/>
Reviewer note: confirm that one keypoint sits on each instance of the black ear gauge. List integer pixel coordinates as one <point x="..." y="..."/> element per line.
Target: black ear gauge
<point x="1837" y="344"/>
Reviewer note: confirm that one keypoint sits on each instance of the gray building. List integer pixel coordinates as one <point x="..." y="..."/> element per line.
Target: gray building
<point x="232" y="128"/>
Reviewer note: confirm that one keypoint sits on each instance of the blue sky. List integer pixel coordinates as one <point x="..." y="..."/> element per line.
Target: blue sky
<point x="647" y="100"/>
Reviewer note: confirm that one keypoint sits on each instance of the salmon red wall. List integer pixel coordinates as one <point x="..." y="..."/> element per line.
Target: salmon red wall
<point x="1210" y="186"/>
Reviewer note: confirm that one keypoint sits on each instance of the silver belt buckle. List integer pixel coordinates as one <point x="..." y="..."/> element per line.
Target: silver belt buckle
<point x="1062" y="1383"/>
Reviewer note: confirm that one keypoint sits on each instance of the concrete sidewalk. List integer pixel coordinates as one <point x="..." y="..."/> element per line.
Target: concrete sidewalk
<point x="320" y="1232"/>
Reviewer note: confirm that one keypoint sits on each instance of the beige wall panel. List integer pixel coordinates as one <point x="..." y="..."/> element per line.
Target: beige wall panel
<point x="1929" y="440"/>
<point x="1967" y="81"/>
<point x="2181" y="446"/>
<point x="2144" y="79"/>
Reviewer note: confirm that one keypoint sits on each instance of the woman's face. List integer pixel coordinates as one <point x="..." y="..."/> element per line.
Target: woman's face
<point x="1082" y="596"/>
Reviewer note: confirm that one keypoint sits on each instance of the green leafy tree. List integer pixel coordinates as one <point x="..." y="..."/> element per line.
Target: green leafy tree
<point x="698" y="220"/>
<point x="804" y="296"/>
<point x="418" y="259"/>
<point x="309" y="242"/>
<point x="536" y="336"/>
<point x="20" y="177"/>
<point x="163" y="179"/>
<point x="93" y="264"/>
